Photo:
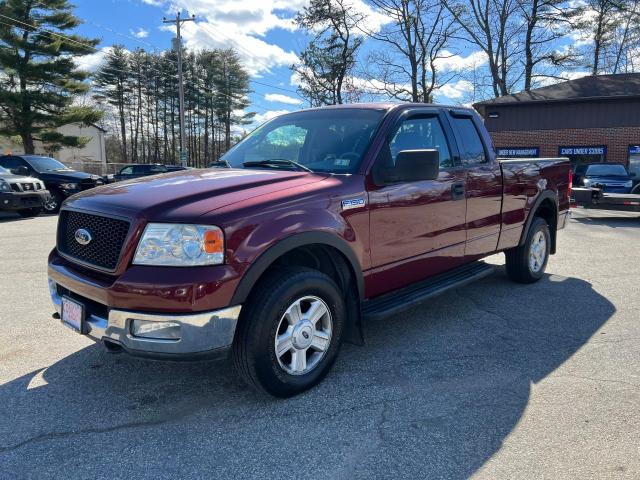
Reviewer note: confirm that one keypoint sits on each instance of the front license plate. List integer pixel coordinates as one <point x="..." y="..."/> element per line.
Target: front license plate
<point x="72" y="314"/>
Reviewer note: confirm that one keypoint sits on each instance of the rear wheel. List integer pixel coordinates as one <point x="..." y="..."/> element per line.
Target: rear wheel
<point x="527" y="263"/>
<point x="290" y="331"/>
<point x="30" y="212"/>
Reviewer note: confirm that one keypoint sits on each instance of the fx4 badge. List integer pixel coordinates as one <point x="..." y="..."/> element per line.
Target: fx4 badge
<point x="352" y="203"/>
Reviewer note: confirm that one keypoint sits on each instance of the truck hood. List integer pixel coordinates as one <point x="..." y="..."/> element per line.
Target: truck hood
<point x="187" y="194"/>
<point x="66" y="176"/>
<point x="11" y="178"/>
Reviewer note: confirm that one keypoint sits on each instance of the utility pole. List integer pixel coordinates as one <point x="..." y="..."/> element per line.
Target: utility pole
<point x="184" y="154"/>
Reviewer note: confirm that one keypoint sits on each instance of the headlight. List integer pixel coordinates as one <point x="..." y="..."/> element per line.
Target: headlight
<point x="4" y="186"/>
<point x="68" y="186"/>
<point x="629" y="184"/>
<point x="586" y="182"/>
<point x="178" y="245"/>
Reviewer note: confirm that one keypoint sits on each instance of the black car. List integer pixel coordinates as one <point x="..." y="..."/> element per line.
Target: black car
<point x="611" y="177"/>
<point x="23" y="195"/>
<point x="60" y="180"/>
<point x="138" y="170"/>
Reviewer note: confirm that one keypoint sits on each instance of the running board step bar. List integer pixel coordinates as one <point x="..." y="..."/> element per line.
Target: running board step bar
<point x="404" y="298"/>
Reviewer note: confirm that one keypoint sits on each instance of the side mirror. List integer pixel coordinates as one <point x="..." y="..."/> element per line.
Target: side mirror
<point x="21" y="170"/>
<point x="413" y="166"/>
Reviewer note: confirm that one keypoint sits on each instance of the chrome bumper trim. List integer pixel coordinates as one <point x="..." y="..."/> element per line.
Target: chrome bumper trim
<point x="199" y="332"/>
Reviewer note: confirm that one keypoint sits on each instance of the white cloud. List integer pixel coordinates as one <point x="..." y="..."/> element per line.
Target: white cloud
<point x="456" y="63"/>
<point x="243" y="25"/>
<point x="456" y="90"/>
<point x="92" y="61"/>
<point x="140" y="33"/>
<point x="268" y="115"/>
<point x="279" y="98"/>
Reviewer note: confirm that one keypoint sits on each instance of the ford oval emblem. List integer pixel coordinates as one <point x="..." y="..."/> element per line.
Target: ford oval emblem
<point x="83" y="236"/>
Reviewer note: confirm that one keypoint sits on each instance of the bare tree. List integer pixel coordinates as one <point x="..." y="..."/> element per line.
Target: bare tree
<point x="416" y="39"/>
<point x="327" y="62"/>
<point x="495" y="27"/>
<point x="546" y="21"/>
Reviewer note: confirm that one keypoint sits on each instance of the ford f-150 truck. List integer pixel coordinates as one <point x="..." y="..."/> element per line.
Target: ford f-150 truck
<point x="316" y="220"/>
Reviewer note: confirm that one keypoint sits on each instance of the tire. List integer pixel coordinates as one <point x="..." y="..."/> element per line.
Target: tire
<point x="267" y="319"/>
<point x="54" y="204"/>
<point x="636" y="190"/>
<point x="521" y="267"/>
<point x="30" y="212"/>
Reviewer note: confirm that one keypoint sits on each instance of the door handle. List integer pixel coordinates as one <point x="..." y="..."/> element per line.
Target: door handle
<point x="458" y="191"/>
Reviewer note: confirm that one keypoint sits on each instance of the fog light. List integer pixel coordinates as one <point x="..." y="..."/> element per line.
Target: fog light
<point x="156" y="330"/>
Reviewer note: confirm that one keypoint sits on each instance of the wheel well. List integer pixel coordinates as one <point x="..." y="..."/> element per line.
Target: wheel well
<point x="549" y="213"/>
<point x="330" y="261"/>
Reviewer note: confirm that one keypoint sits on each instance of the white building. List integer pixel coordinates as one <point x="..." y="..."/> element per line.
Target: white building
<point x="91" y="158"/>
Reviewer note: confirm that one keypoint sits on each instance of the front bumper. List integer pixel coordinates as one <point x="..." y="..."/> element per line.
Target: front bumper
<point x="23" y="200"/>
<point x="202" y="334"/>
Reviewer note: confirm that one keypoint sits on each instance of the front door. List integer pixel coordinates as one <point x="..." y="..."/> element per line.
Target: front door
<point x="417" y="228"/>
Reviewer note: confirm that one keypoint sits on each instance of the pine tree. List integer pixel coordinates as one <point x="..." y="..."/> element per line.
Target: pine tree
<point x="38" y="75"/>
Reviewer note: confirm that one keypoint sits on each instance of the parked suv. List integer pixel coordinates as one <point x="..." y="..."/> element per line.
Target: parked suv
<point x="23" y="195"/>
<point x="612" y="177"/>
<point x="321" y="218"/>
<point x="60" y="180"/>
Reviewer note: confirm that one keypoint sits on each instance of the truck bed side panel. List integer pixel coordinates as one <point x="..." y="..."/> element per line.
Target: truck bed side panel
<point x="523" y="181"/>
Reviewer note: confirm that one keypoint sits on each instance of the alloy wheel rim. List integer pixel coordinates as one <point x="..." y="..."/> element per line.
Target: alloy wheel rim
<point x="537" y="252"/>
<point x="303" y="335"/>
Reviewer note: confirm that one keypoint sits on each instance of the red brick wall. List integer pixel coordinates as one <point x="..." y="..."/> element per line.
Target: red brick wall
<point x="617" y="140"/>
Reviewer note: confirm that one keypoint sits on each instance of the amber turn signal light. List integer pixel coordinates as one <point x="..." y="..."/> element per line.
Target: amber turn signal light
<point x="213" y="241"/>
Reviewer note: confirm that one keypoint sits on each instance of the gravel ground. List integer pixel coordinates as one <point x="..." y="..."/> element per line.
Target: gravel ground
<point x="493" y="380"/>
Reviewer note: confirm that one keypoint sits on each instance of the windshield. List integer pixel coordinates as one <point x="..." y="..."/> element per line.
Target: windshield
<point x="45" y="164"/>
<point x="331" y="140"/>
<point x="607" y="170"/>
<point x="4" y="170"/>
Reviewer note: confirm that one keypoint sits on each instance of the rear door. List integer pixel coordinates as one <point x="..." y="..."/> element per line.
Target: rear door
<point x="417" y="228"/>
<point x="483" y="185"/>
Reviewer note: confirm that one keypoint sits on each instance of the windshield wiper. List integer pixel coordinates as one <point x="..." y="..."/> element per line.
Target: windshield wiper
<point x="277" y="161"/>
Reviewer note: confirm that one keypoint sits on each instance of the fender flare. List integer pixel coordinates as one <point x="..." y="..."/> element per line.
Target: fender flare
<point x="544" y="195"/>
<point x="266" y="259"/>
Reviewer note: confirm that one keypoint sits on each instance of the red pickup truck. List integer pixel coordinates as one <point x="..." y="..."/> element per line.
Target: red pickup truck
<point x="314" y="221"/>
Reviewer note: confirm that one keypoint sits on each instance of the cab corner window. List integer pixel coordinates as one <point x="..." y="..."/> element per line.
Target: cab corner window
<point x="472" y="148"/>
<point x="421" y="134"/>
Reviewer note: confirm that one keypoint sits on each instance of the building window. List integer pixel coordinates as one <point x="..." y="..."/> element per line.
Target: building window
<point x="584" y="154"/>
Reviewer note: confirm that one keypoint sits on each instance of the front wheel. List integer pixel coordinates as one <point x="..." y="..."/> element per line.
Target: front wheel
<point x="290" y="331"/>
<point x="54" y="203"/>
<point x="527" y="263"/>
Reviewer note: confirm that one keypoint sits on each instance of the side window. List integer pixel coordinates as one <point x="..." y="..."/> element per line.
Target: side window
<point x="157" y="169"/>
<point x="472" y="147"/>
<point x="126" y="171"/>
<point x="419" y="134"/>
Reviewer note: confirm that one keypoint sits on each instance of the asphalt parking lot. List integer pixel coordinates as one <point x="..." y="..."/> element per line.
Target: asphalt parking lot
<point x="493" y="380"/>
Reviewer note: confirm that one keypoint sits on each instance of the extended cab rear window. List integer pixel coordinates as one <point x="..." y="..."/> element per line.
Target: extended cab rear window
<point x="472" y="147"/>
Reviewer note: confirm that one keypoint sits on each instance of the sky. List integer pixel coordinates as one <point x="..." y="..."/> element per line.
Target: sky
<point x="262" y="32"/>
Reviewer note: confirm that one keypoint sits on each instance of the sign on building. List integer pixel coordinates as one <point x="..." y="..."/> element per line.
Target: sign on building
<point x="599" y="150"/>
<point x="515" y="152"/>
